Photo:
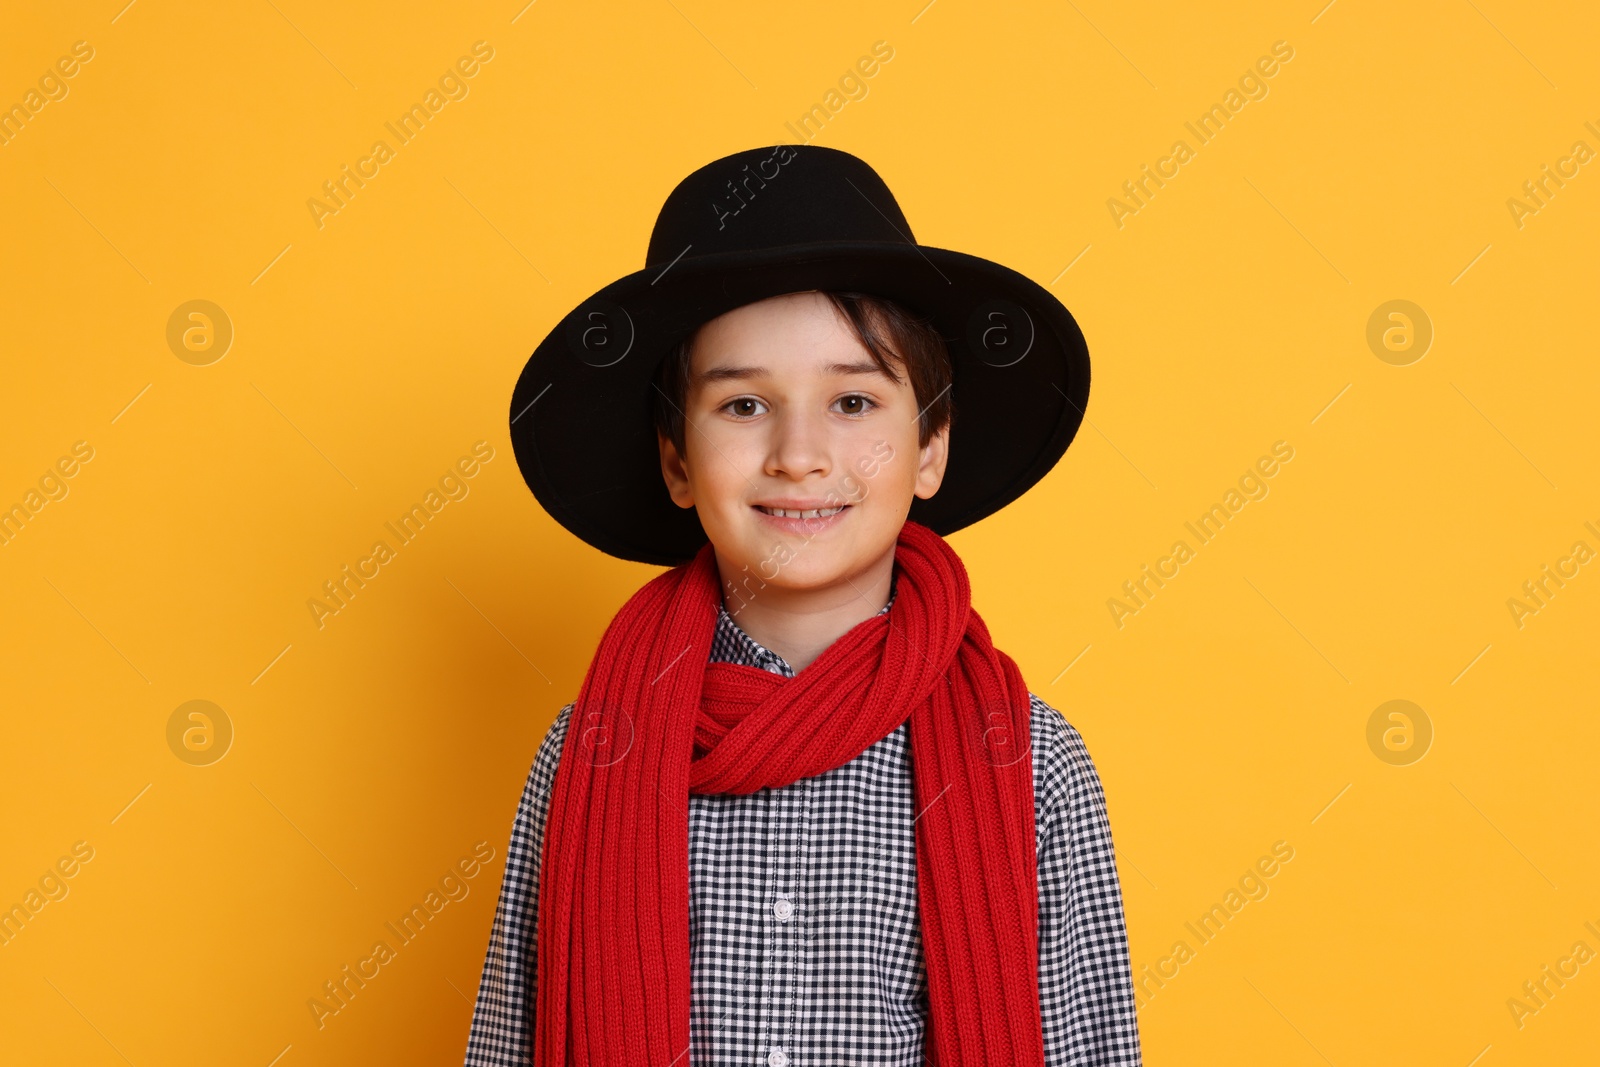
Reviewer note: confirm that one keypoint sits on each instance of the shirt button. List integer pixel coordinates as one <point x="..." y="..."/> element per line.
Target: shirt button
<point x="777" y="1058"/>
<point x="783" y="908"/>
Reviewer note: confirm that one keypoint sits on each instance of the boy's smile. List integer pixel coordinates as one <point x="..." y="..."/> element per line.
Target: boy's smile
<point x="802" y="460"/>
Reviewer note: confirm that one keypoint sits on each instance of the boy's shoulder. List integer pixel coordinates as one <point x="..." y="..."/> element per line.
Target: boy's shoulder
<point x="1064" y="775"/>
<point x="542" y="775"/>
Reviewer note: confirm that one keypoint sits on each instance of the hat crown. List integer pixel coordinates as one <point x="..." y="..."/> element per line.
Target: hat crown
<point x="772" y="197"/>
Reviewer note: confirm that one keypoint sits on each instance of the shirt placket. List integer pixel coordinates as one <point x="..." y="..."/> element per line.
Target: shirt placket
<point x="783" y="920"/>
<point x="781" y="915"/>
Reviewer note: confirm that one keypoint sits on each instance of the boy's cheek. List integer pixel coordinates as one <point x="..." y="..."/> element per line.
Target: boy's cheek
<point x="869" y="466"/>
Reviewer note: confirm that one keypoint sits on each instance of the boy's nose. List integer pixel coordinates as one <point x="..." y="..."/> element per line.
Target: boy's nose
<point x="799" y="446"/>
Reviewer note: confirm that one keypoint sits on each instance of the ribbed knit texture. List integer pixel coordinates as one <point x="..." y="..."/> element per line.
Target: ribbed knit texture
<point x="653" y="722"/>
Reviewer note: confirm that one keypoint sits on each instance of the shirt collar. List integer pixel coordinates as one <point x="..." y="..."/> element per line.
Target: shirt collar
<point x="730" y="644"/>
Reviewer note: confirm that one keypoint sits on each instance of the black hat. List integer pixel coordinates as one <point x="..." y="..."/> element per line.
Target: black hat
<point x="757" y="224"/>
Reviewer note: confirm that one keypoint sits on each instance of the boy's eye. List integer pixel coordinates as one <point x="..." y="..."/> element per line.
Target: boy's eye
<point x="856" y="404"/>
<point x="743" y="406"/>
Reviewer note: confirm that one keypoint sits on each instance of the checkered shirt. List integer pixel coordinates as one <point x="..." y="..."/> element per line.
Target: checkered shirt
<point x="805" y="943"/>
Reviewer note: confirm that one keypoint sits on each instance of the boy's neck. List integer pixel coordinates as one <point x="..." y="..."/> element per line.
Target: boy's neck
<point x="800" y="624"/>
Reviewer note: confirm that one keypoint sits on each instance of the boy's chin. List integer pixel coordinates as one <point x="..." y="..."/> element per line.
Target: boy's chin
<point x="813" y="574"/>
<point x="801" y="567"/>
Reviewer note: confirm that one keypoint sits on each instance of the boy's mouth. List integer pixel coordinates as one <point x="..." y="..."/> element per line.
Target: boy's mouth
<point x="800" y="513"/>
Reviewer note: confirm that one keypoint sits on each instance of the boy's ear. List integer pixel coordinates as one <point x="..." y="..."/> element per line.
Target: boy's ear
<point x="674" y="473"/>
<point x="931" y="460"/>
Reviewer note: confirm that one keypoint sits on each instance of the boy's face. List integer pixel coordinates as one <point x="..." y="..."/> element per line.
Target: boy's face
<point x="786" y="409"/>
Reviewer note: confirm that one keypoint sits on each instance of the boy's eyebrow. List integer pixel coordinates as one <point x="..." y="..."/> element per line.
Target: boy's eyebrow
<point x="737" y="373"/>
<point x="728" y="374"/>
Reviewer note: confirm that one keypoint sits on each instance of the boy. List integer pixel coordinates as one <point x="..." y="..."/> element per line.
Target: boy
<point x="803" y="812"/>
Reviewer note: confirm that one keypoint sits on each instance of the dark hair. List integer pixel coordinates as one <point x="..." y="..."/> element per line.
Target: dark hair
<point x="892" y="334"/>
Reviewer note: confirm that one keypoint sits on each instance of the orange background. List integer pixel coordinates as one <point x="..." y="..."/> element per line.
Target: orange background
<point x="369" y="354"/>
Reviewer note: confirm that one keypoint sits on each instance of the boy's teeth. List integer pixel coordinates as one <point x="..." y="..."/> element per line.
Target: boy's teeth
<point x="791" y="513"/>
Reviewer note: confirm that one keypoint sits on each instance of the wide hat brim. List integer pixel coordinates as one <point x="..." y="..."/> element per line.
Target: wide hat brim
<point x="581" y="414"/>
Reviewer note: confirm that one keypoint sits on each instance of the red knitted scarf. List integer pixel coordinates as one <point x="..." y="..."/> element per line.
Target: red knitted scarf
<point x="655" y="722"/>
